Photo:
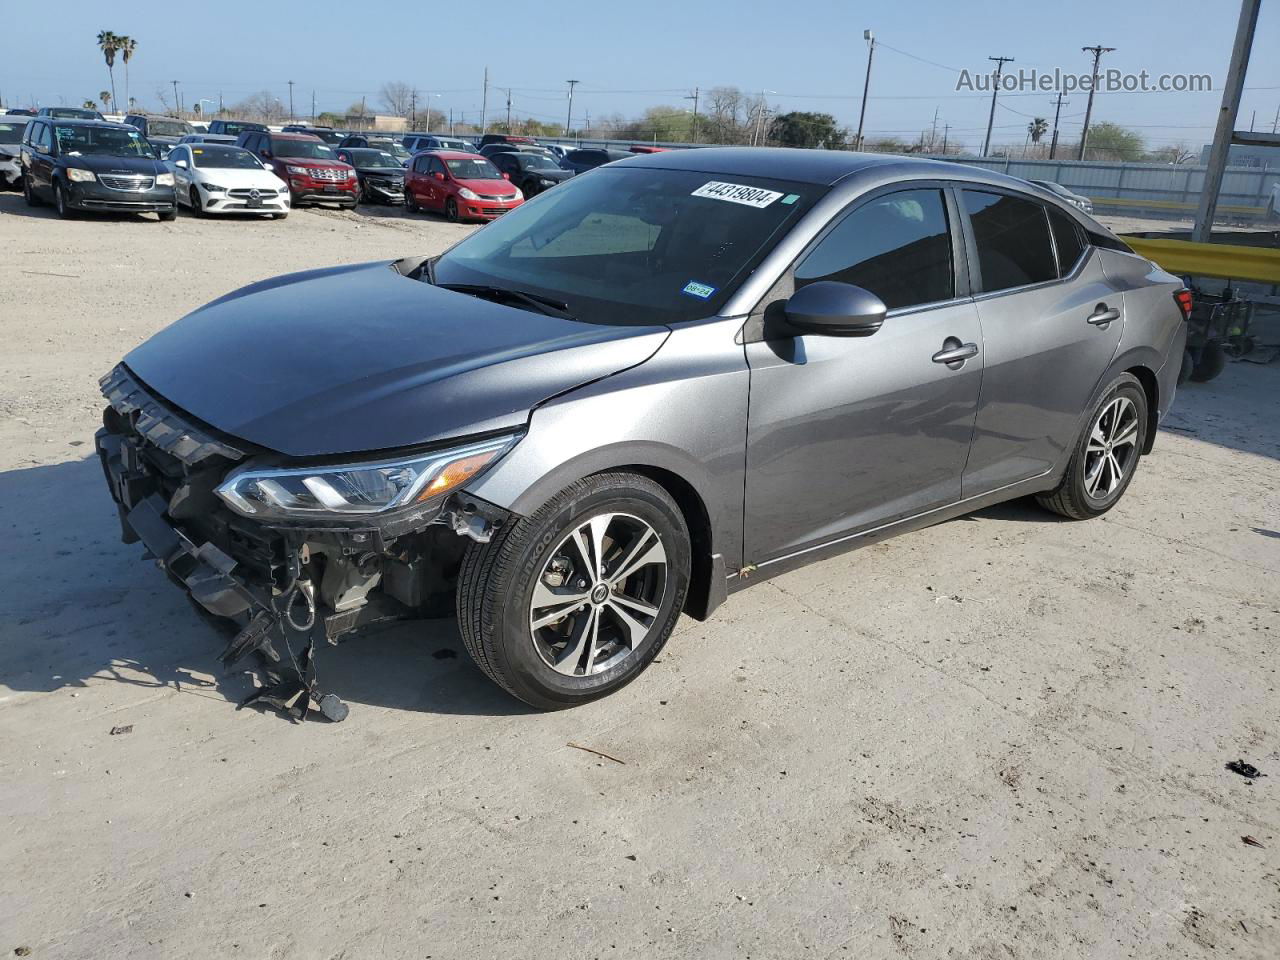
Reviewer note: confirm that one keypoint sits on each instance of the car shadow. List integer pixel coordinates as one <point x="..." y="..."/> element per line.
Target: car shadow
<point x="82" y="608"/>
<point x="16" y="205"/>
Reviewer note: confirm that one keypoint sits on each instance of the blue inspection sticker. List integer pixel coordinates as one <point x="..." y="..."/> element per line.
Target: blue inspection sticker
<point x="699" y="290"/>
<point x="791" y="198"/>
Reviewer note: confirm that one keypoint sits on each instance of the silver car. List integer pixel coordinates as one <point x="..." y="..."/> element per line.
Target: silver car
<point x="667" y="380"/>
<point x="1073" y="198"/>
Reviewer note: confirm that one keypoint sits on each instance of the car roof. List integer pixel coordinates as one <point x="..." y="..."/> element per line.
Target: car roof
<point x="823" y="167"/>
<point x="455" y="154"/>
<point x="84" y="122"/>
<point x="157" y="116"/>
<point x="288" y="136"/>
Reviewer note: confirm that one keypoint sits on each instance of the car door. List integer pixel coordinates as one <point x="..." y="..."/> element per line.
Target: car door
<point x="182" y="175"/>
<point x="848" y="433"/>
<point x="42" y="160"/>
<point x="437" y="183"/>
<point x="1051" y="324"/>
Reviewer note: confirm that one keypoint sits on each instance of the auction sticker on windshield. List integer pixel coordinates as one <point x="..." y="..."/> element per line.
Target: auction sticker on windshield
<point x="737" y="193"/>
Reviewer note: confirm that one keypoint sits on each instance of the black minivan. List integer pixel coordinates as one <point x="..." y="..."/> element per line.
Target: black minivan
<point x="94" y="165"/>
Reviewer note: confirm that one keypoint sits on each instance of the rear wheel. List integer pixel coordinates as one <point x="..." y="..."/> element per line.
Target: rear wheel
<point x="27" y="193"/>
<point x="410" y="202"/>
<point x="1213" y="360"/>
<point x="451" y="210"/>
<point x="1106" y="454"/>
<point x="574" y="601"/>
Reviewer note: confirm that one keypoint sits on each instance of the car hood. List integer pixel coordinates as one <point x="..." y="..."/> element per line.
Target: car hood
<point x="490" y="188"/>
<point x="360" y="359"/>
<point x="312" y="162"/>
<point x="390" y="172"/>
<point x="556" y="174"/>
<point x="227" y="177"/>
<point x="99" y="163"/>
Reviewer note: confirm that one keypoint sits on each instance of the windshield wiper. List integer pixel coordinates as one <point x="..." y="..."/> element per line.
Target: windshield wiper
<point x="552" y="308"/>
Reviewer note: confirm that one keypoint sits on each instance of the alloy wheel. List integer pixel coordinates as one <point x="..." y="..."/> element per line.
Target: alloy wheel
<point x="1112" y="449"/>
<point x="598" y="595"/>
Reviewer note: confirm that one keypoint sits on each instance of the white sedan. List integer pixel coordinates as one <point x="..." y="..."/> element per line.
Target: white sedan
<point x="223" y="178"/>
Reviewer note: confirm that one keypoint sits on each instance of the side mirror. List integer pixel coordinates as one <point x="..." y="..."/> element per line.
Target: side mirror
<point x="180" y="163"/>
<point x="506" y="176"/>
<point x="833" y="309"/>
<point x="438" y="175"/>
<point x="266" y="154"/>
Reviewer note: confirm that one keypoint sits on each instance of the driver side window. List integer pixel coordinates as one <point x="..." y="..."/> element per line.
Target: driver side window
<point x="897" y="246"/>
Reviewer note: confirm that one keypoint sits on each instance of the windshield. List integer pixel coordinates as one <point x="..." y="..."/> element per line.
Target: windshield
<point x="12" y="132"/>
<point x="535" y="161"/>
<point x="310" y="149"/>
<point x="367" y="157"/>
<point x="397" y="150"/>
<point x="473" y="168"/>
<point x="74" y="113"/>
<point x="453" y="145"/>
<point x="233" y="129"/>
<point x="168" y="128"/>
<point x="103" y="141"/>
<point x="633" y="245"/>
<point x="214" y="157"/>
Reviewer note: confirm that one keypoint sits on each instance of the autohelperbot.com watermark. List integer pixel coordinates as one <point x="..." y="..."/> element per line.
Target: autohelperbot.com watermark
<point x="1031" y="80"/>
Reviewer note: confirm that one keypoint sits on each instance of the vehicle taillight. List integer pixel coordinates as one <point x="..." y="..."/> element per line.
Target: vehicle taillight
<point x="1183" y="298"/>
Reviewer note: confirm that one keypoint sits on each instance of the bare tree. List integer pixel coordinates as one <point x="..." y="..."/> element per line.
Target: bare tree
<point x="399" y="97"/>
<point x="264" y="106"/>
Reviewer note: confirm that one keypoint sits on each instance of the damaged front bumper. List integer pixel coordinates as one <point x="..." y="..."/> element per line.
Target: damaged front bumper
<point x="283" y="589"/>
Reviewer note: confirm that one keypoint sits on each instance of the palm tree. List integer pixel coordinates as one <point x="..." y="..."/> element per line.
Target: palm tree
<point x="105" y="97"/>
<point x="109" y="43"/>
<point x="1037" y="128"/>
<point x="127" y="47"/>
<point x="91" y="105"/>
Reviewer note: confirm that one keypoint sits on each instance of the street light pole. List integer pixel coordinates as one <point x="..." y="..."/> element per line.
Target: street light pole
<point x="862" y="114"/>
<point x="995" y="90"/>
<point x="291" y="101"/>
<point x="1057" y="110"/>
<point x="177" y="105"/>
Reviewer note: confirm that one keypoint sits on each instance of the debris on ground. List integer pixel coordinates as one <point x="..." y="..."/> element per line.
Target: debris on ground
<point x="22" y="951"/>
<point x="598" y="753"/>
<point x="117" y="731"/>
<point x="1253" y="842"/>
<point x="1247" y="770"/>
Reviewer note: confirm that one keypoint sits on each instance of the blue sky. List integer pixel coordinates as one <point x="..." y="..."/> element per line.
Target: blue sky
<point x="632" y="55"/>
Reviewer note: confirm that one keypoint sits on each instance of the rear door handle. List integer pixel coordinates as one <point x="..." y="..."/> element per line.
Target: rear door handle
<point x="1102" y="315"/>
<point x="955" y="354"/>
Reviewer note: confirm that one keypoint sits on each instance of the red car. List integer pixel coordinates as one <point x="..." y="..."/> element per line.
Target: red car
<point x="307" y="164"/>
<point x="462" y="186"/>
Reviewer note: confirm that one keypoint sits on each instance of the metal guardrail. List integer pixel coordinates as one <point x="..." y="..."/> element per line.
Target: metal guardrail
<point x="1225" y="261"/>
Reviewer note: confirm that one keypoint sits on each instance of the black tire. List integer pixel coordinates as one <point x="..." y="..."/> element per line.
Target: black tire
<point x="530" y="189"/>
<point x="410" y="204"/>
<point x="28" y="194"/>
<point x="197" y="205"/>
<point x="60" y="202"/>
<point x="1184" y="372"/>
<point x="451" y="210"/>
<point x="278" y="216"/>
<point x="497" y="579"/>
<point x="167" y="216"/>
<point x="1072" y="497"/>
<point x="1213" y="359"/>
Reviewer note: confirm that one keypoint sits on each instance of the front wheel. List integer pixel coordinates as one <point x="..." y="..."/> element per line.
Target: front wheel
<point x="165" y="216"/>
<point x="60" y="202"/>
<point x="197" y="205"/>
<point x="410" y="202"/>
<point x="574" y="601"/>
<point x="27" y="193"/>
<point x="1106" y="454"/>
<point x="451" y="210"/>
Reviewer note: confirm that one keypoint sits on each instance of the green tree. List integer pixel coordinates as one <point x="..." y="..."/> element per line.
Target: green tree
<point x="109" y="44"/>
<point x="1110" y="141"/>
<point x="105" y="97"/>
<point x="1037" y="128"/>
<point x="804" y="129"/>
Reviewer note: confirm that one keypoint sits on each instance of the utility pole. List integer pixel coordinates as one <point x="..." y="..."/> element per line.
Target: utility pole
<point x="995" y="89"/>
<point x="933" y="131"/>
<point x="313" y="108"/>
<point x="508" y="109"/>
<point x="220" y="107"/>
<point x="177" y="106"/>
<point x="866" y="84"/>
<point x="1058" y="104"/>
<point x="451" y="121"/>
<point x="694" y="97"/>
<point x="484" y="103"/>
<point x="1276" y="122"/>
<point x="1097" y="52"/>
<point x="568" y="123"/>
<point x="291" y="101"/>
<point x="363" y="124"/>
<point x="413" y="109"/>
<point x="945" y="130"/>
<point x="1223" y="132"/>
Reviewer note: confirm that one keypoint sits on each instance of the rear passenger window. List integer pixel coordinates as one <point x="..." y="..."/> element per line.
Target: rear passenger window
<point x="1013" y="240"/>
<point x="897" y="246"/>
<point x="1067" y="239"/>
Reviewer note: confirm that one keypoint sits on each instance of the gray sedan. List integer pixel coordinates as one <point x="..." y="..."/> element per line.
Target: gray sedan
<point x="664" y="381"/>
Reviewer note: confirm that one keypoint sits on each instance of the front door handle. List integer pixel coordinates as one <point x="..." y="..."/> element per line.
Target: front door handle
<point x="1103" y="315"/>
<point x="954" y="353"/>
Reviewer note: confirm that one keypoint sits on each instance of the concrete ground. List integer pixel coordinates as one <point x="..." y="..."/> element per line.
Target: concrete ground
<point x="1001" y="737"/>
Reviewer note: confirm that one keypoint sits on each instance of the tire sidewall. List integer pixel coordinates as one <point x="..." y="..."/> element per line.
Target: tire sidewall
<point x="1126" y="385"/>
<point x="519" y="660"/>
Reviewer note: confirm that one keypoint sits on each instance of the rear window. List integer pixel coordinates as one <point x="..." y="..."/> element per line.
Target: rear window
<point x="168" y="128"/>
<point x="11" y="132"/>
<point x="1012" y="235"/>
<point x="1067" y="239"/>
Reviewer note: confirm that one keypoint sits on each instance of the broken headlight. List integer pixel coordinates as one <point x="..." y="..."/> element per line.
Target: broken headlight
<point x="356" y="488"/>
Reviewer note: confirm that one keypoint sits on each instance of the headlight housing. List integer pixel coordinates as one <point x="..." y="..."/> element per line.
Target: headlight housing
<point x="299" y="171"/>
<point x="356" y="489"/>
<point x="519" y="194"/>
<point x="467" y="194"/>
<point x="76" y="175"/>
<point x="164" y="180"/>
<point x="213" y="187"/>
